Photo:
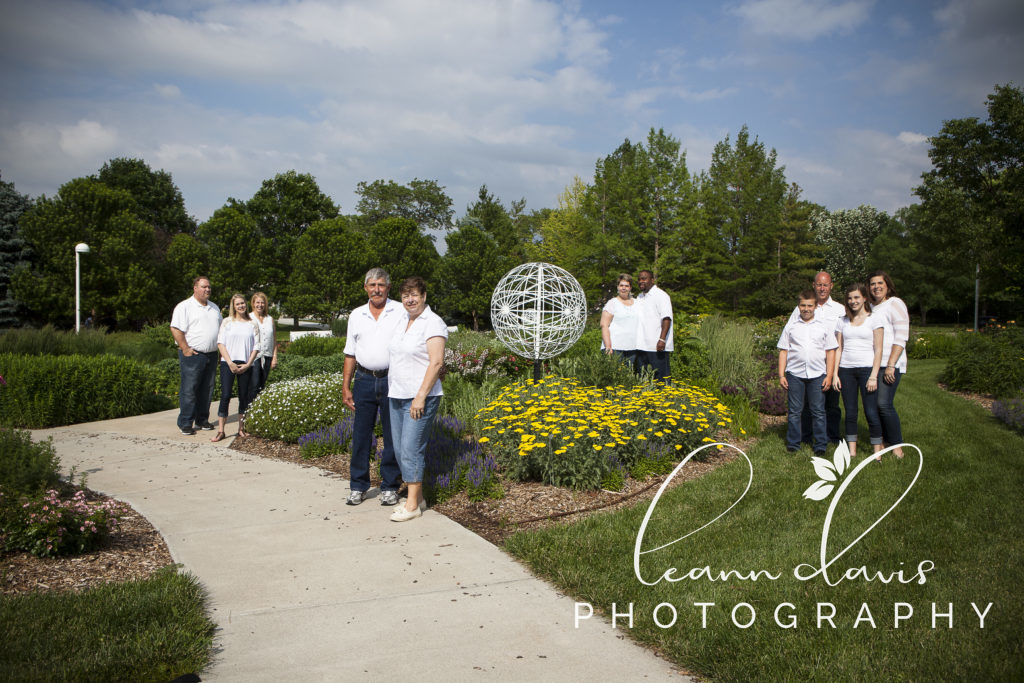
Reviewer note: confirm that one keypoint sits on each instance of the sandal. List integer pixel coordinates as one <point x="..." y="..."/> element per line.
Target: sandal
<point x="219" y="436"/>
<point x="241" y="426"/>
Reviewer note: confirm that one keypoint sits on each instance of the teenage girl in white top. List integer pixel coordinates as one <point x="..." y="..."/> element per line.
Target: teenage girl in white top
<point x="859" y="334"/>
<point x="238" y="343"/>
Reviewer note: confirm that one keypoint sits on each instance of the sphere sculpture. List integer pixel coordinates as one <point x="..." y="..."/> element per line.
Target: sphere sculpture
<point x="538" y="310"/>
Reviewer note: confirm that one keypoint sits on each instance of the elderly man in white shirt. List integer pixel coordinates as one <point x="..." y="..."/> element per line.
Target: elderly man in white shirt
<point x="654" y="327"/>
<point x="365" y="378"/>
<point x="195" y="324"/>
<point x="807" y="356"/>
<point x="829" y="311"/>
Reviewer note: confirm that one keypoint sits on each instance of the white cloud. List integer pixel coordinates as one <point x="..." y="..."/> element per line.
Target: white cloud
<point x="86" y="139"/>
<point x="803" y="19"/>
<point x="910" y="138"/>
<point x="170" y="92"/>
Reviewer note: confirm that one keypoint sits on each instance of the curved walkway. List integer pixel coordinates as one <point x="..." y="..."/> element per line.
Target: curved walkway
<point x="305" y="588"/>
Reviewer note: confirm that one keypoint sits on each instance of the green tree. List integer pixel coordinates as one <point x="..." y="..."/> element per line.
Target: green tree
<point x="973" y="197"/>
<point x="495" y="220"/>
<point x="13" y="251"/>
<point x="470" y="270"/>
<point x="120" y="275"/>
<point x="188" y="259"/>
<point x="232" y="251"/>
<point x="399" y="246"/>
<point x="284" y="207"/>
<point x="158" y="200"/>
<point x="743" y="194"/>
<point x="423" y="201"/>
<point x="327" y="269"/>
<point x="847" y="236"/>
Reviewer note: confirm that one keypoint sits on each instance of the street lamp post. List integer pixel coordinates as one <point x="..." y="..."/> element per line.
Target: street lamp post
<point x="80" y="248"/>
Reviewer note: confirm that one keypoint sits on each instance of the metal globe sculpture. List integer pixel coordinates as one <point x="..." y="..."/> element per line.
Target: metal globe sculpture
<point x="538" y="310"/>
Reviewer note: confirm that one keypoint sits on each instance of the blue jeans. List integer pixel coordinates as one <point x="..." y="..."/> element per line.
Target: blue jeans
<point x="260" y="372"/>
<point x="892" y="432"/>
<point x="627" y="357"/>
<point x="659" y="360"/>
<point x="245" y="386"/>
<point x="196" y="390"/>
<point x="833" y="416"/>
<point x="854" y="380"/>
<point x="370" y="395"/>
<point x="410" y="436"/>
<point x="807" y="391"/>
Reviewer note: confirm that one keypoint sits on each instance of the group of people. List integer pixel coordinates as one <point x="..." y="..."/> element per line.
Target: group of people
<point x="639" y="329"/>
<point x="245" y="344"/>
<point x="829" y="350"/>
<point x="394" y="354"/>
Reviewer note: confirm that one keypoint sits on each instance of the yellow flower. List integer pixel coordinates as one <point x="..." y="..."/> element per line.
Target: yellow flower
<point x="597" y="447"/>
<point x="483" y="439"/>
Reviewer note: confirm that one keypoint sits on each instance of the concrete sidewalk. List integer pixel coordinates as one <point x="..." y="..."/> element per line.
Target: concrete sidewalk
<point x="305" y="588"/>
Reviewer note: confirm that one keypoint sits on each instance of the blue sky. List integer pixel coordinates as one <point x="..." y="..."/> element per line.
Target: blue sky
<point x="521" y="95"/>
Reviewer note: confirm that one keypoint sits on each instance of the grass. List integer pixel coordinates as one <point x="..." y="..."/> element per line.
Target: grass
<point x="151" y="630"/>
<point x="961" y="515"/>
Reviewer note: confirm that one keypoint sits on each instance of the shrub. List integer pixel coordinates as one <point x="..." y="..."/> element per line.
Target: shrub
<point x="557" y="431"/>
<point x="311" y="345"/>
<point x="27" y="467"/>
<point x="988" y="363"/>
<point x="49" y="526"/>
<point x="47" y="391"/>
<point x="766" y="335"/>
<point x="291" y="367"/>
<point x="339" y="326"/>
<point x="286" y="410"/>
<point x="690" y="360"/>
<point x="462" y="398"/>
<point x="597" y="369"/>
<point x="476" y="363"/>
<point x="932" y="345"/>
<point x="147" y="347"/>
<point x="730" y="346"/>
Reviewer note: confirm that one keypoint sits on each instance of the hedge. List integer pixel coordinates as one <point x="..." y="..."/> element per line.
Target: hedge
<point x="49" y="391"/>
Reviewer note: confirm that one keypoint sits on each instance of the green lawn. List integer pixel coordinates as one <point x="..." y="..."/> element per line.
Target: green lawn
<point x="963" y="515"/>
<point x="152" y="630"/>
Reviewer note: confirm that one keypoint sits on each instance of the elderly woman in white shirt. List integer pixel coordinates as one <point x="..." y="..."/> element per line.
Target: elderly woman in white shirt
<point x="238" y="343"/>
<point x="859" y="334"/>
<point x="416" y="356"/>
<point x="618" y="322"/>
<point x="891" y="309"/>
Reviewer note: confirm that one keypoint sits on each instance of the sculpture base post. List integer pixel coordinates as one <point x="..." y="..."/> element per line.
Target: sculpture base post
<point x="538" y="367"/>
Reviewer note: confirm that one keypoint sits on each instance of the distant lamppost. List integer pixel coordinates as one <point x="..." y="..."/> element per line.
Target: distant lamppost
<point x="80" y="248"/>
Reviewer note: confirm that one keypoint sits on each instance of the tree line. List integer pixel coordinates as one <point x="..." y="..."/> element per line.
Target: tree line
<point x="737" y="237"/>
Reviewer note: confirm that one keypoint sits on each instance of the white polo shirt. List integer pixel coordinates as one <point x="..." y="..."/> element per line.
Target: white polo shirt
<point x="200" y="323"/>
<point x="806" y="344"/>
<point x="830" y="311"/>
<point x="367" y="338"/>
<point x="652" y="307"/>
<point x="408" y="354"/>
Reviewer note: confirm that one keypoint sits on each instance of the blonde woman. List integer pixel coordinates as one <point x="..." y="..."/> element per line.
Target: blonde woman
<point x="238" y="343"/>
<point x="266" y="359"/>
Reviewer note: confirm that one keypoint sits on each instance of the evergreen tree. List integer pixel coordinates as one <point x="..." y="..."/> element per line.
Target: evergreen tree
<point x="13" y="251"/>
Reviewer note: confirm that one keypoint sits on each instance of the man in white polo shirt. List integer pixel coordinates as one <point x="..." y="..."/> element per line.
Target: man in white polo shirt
<point x="829" y="311"/>
<point x="194" y="326"/>
<point x="654" y="327"/>
<point x="365" y="379"/>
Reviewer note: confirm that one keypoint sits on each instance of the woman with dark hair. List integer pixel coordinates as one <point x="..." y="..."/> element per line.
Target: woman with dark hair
<point x="894" y="314"/>
<point x="238" y="343"/>
<point x="860" y="335"/>
<point x="416" y="356"/>
<point x="618" y="322"/>
<point x="266" y="359"/>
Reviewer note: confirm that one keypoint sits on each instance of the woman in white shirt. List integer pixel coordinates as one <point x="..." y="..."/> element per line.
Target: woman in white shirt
<point x="416" y="356"/>
<point x="266" y="359"/>
<point x="618" y="322"/>
<point x="891" y="309"/>
<point x="238" y="343"/>
<point x="859" y="334"/>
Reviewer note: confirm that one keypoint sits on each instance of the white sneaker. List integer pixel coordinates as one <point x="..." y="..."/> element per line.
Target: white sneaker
<point x="403" y="515"/>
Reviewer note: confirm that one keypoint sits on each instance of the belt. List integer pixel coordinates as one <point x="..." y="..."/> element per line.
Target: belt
<point x="375" y="373"/>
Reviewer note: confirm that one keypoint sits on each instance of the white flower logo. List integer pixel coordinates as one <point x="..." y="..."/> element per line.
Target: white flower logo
<point x="828" y="471"/>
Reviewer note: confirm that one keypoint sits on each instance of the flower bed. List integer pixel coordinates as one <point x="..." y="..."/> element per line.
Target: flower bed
<point x="560" y="432"/>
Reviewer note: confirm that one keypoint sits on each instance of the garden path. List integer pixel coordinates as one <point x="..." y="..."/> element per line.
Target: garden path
<point x="305" y="588"/>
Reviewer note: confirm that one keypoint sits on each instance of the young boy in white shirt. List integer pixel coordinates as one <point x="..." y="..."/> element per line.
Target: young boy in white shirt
<point x="807" y="357"/>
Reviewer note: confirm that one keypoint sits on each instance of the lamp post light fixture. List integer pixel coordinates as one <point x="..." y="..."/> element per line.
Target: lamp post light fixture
<point x="80" y="248"/>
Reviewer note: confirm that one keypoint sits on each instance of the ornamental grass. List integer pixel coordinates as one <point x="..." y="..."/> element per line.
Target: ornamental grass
<point x="562" y="433"/>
